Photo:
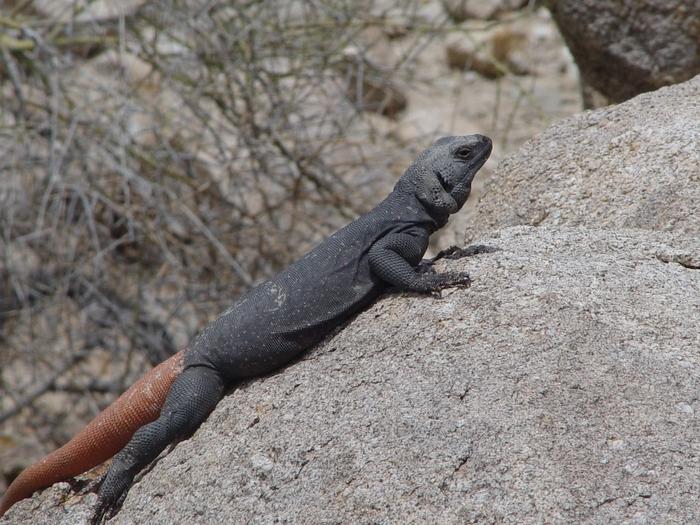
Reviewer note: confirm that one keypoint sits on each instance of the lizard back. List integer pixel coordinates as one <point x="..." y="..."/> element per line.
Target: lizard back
<point x="277" y="320"/>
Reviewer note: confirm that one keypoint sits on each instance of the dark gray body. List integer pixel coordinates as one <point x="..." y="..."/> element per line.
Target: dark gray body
<point x="279" y="319"/>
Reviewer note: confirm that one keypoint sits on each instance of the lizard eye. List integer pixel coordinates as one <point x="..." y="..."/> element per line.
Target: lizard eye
<point x="463" y="152"/>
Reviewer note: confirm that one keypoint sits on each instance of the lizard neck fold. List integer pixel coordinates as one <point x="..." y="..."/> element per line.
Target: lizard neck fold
<point x="411" y="209"/>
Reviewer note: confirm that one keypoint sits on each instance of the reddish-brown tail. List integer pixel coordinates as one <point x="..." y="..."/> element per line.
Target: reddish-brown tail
<point x="103" y="437"/>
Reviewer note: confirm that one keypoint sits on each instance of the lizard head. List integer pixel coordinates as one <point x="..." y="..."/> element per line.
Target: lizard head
<point x="441" y="176"/>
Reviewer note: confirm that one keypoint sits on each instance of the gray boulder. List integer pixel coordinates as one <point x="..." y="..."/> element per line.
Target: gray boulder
<point x="561" y="387"/>
<point x="626" y="47"/>
<point x="461" y="10"/>
<point x="634" y="165"/>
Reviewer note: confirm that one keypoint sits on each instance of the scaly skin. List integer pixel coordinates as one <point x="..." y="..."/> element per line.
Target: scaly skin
<point x="103" y="437"/>
<point x="276" y="321"/>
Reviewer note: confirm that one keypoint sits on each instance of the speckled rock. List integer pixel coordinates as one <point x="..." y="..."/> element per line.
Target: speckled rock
<point x="634" y="165"/>
<point x="627" y="47"/>
<point x="561" y="387"/>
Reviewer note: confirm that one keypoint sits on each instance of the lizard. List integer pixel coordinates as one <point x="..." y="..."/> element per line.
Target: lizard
<point x="273" y="323"/>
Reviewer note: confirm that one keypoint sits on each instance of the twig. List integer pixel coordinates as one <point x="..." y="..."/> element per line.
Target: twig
<point x="44" y="387"/>
<point x="13" y="73"/>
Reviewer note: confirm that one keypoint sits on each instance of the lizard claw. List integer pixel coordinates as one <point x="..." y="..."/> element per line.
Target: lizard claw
<point x="425" y="267"/>
<point x="100" y="514"/>
<point x="455" y="280"/>
<point x="106" y="509"/>
<point x="440" y="281"/>
<point x="447" y="253"/>
<point x="455" y="252"/>
<point x="114" y="487"/>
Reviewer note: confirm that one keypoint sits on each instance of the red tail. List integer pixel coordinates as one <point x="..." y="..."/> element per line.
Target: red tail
<point x="103" y="437"/>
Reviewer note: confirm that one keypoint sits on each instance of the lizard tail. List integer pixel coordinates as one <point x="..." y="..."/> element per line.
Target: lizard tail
<point x="103" y="437"/>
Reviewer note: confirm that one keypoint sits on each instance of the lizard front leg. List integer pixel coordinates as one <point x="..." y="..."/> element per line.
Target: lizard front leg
<point x="396" y="260"/>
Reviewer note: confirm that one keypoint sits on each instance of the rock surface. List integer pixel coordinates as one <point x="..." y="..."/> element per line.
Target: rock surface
<point x="492" y="53"/>
<point x="369" y="87"/>
<point x="561" y="387"/>
<point x="634" y="165"/>
<point x="460" y="10"/>
<point x="87" y="11"/>
<point x="627" y="47"/>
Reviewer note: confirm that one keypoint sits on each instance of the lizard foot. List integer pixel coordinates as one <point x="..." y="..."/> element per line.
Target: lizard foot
<point x="447" y="253"/>
<point x="106" y="509"/>
<point x="113" y="489"/>
<point x="455" y="252"/>
<point x="450" y="280"/>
